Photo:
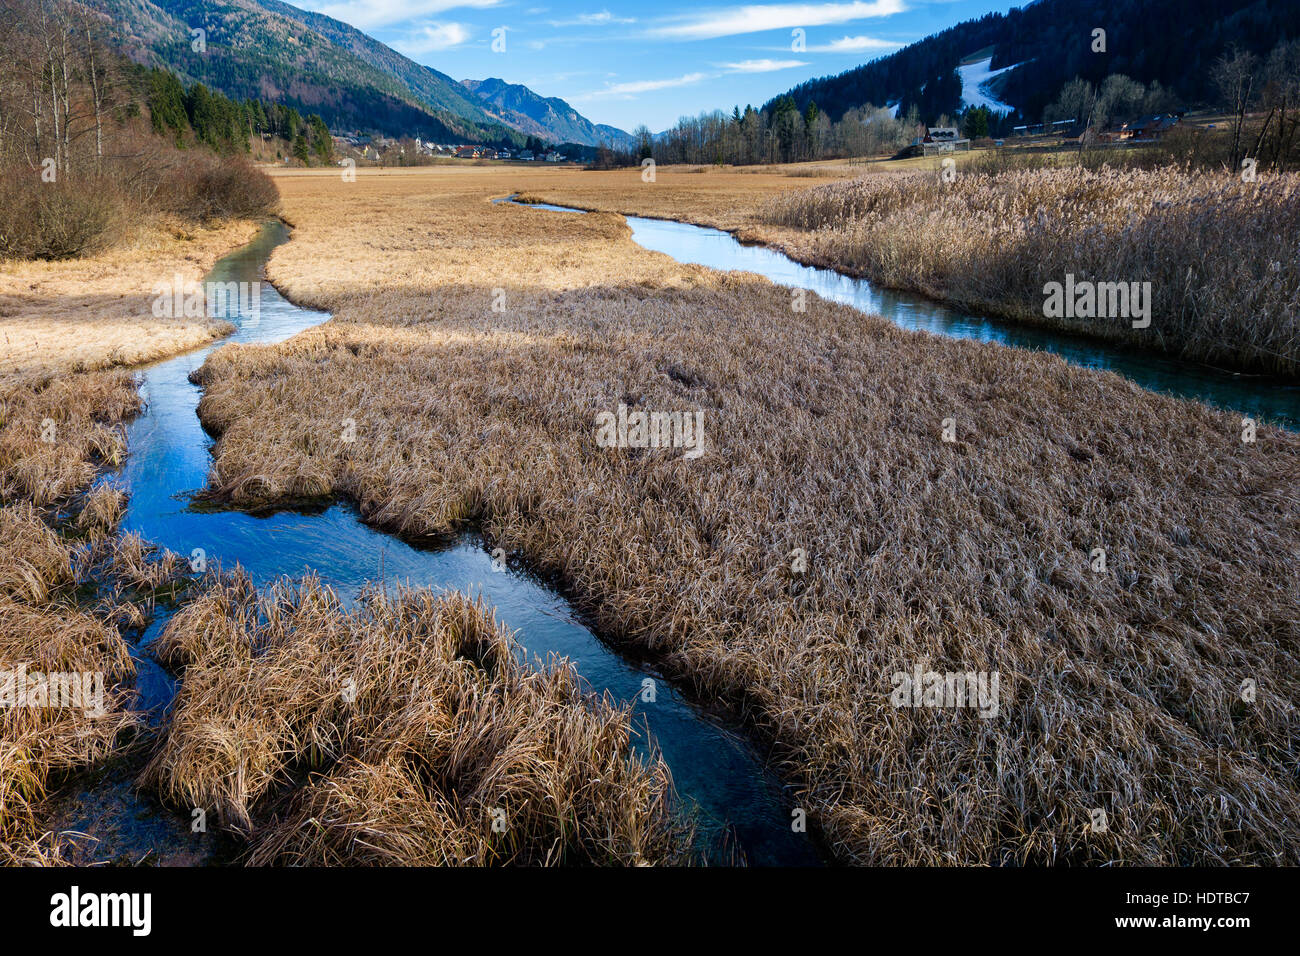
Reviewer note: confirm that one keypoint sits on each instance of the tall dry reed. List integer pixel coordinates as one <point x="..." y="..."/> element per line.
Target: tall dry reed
<point x="57" y="545"/>
<point x="1219" y="253"/>
<point x="42" y="632"/>
<point x="424" y="737"/>
<point x="1121" y="690"/>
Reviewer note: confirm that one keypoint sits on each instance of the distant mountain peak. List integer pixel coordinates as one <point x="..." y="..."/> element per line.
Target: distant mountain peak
<point x="271" y="50"/>
<point x="546" y="117"/>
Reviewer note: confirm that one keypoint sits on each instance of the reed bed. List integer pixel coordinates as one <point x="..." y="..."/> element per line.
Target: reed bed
<point x="407" y="730"/>
<point x="102" y="511"/>
<point x="35" y="561"/>
<point x="69" y="584"/>
<point x="58" y="543"/>
<point x="1218" y="252"/>
<point x="56" y="432"/>
<point x="1121" y="690"/>
<point x="42" y="632"/>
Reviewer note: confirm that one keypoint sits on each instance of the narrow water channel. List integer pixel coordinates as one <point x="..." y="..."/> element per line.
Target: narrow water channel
<point x="1264" y="398"/>
<point x="740" y="804"/>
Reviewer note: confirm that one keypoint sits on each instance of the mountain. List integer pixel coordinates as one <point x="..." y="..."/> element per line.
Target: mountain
<point x="433" y="88"/>
<point x="547" y="117"/>
<point x="275" y="52"/>
<point x="1049" y="42"/>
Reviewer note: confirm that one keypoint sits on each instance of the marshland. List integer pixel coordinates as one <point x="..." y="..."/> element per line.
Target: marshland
<point x="375" y="575"/>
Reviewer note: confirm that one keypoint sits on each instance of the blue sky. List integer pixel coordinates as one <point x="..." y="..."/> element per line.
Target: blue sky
<point x="626" y="63"/>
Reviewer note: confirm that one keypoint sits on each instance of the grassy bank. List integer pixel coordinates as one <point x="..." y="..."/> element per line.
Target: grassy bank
<point x="97" y="312"/>
<point x="447" y="726"/>
<point x="52" y="620"/>
<point x="423" y="738"/>
<point x="1225" y="285"/>
<point x="1121" y="688"/>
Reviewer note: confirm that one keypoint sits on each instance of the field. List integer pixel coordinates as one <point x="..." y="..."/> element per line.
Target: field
<point x="870" y="502"/>
<point x="259" y="703"/>
<point x="1222" y="288"/>
<point x="97" y="312"/>
<point x="1007" y="225"/>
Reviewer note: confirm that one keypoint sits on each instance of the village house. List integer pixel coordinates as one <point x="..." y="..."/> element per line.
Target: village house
<point x="1149" y="129"/>
<point x="943" y="139"/>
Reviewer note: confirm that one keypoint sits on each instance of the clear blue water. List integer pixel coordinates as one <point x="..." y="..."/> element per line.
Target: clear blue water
<point x="1264" y="398"/>
<point x="740" y="803"/>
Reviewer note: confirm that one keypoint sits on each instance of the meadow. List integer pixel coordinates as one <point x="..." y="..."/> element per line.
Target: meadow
<point x="1223" y="282"/>
<point x="97" y="312"/>
<point x="991" y="238"/>
<point x="259" y="691"/>
<point x="870" y="502"/>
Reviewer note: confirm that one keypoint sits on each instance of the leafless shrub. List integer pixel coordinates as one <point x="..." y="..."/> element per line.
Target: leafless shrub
<point x="208" y="187"/>
<point x="55" y="220"/>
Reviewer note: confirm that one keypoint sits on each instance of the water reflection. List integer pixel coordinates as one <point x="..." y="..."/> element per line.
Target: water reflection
<point x="1262" y="397"/>
<point x="741" y="804"/>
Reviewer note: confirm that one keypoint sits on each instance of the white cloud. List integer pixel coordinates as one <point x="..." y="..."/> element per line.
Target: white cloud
<point x="592" y="20"/>
<point x="432" y="36"/>
<point x="854" y="45"/>
<point x="367" y="14"/>
<point x="732" y="21"/>
<point x="628" y="90"/>
<point x="761" y="66"/>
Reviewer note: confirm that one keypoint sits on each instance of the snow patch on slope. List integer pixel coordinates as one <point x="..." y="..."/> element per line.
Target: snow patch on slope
<point x="974" y="77"/>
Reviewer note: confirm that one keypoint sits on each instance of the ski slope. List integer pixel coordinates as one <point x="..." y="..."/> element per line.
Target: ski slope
<point x="974" y="77"/>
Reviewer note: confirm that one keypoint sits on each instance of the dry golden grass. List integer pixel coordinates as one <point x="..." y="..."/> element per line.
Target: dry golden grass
<point x="56" y="431"/>
<point x="36" y="560"/>
<point x="427" y="741"/>
<point x="102" y="511"/>
<point x="48" y="625"/>
<point x="59" y="426"/>
<point x="483" y="734"/>
<point x="42" y="631"/>
<point x="1120" y="690"/>
<point x="1225" y="286"/>
<point x="96" y="313"/>
<point x="724" y="197"/>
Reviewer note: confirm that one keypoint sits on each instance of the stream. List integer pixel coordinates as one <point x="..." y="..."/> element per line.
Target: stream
<point x="1263" y="397"/>
<point x="739" y="803"/>
<point x="743" y="810"/>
